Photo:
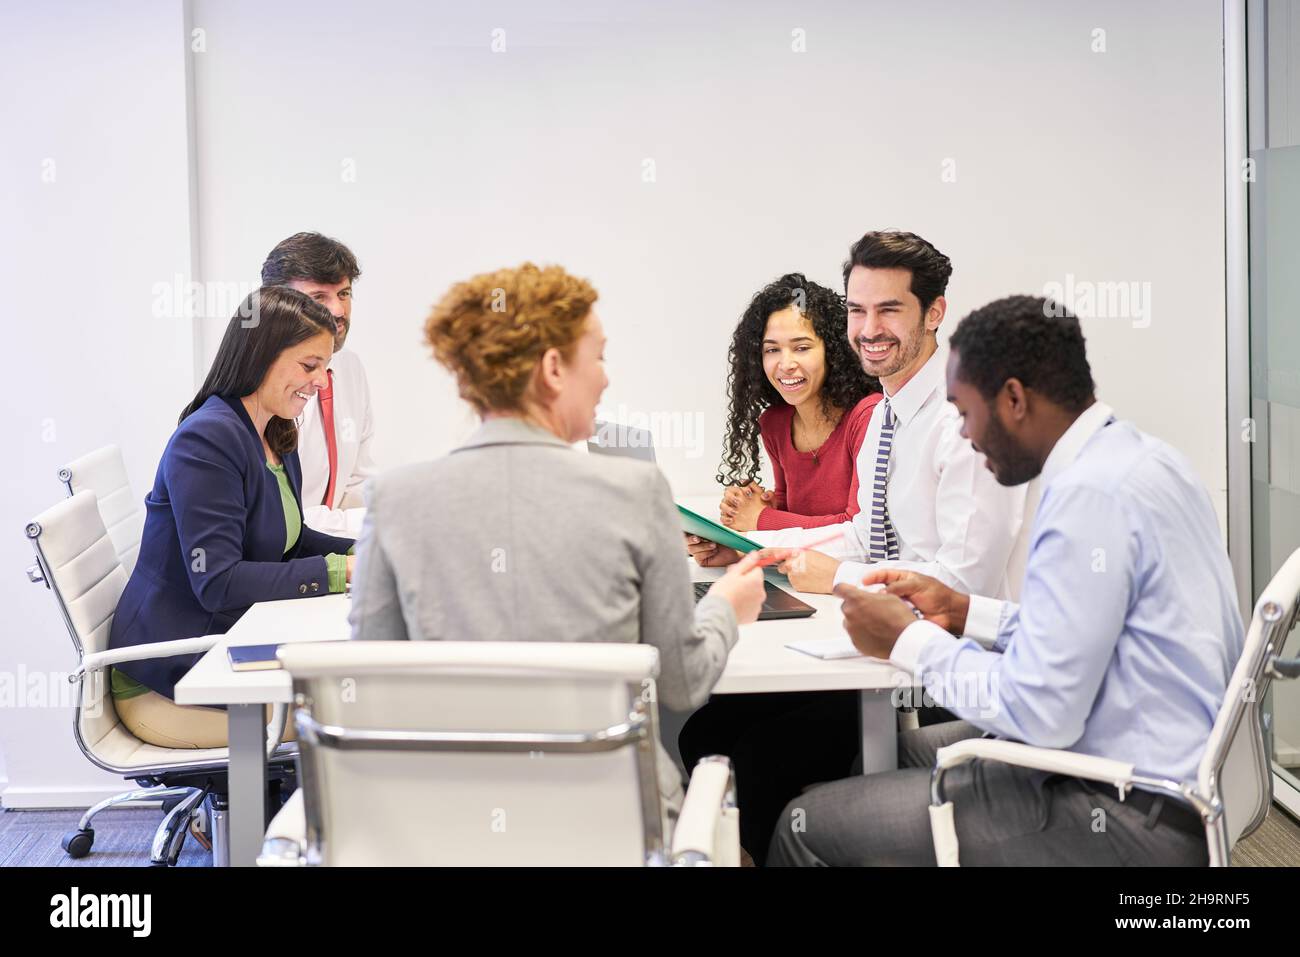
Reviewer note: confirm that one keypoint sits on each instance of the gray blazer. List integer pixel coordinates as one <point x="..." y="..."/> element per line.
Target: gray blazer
<point x="515" y="536"/>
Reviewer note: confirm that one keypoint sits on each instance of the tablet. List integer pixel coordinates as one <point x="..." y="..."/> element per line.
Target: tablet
<point x="693" y="523"/>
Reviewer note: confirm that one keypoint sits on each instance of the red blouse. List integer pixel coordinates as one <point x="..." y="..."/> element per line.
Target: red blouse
<point x="818" y="488"/>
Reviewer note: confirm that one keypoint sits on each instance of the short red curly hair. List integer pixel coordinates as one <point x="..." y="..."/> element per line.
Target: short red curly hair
<point x="492" y="330"/>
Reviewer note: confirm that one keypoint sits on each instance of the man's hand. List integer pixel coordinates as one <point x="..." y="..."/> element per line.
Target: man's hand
<point x="741" y="506"/>
<point x="710" y="554"/>
<point x="933" y="599"/>
<point x="808" y="571"/>
<point x="874" y="620"/>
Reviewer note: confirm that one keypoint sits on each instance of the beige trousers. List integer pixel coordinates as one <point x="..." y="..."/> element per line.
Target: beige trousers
<point x="156" y="719"/>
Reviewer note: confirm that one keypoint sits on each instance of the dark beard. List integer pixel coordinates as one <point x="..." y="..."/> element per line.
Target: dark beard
<point x="1012" y="465"/>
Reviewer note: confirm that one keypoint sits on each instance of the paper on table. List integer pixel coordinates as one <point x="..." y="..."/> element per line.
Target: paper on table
<point x="827" y="648"/>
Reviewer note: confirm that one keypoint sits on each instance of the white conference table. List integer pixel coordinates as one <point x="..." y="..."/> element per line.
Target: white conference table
<point x="759" y="662"/>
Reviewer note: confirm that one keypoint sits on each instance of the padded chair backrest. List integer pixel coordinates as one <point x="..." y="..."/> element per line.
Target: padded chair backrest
<point x="498" y="776"/>
<point x="82" y="571"/>
<point x="1236" y="767"/>
<point x="104" y="473"/>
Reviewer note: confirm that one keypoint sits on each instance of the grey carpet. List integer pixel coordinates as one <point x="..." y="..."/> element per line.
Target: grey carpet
<point x="122" y="839"/>
<point x="123" y="836"/>
<point x="1275" y="844"/>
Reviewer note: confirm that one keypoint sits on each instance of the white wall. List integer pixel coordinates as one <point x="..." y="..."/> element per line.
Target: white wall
<point x="99" y="90"/>
<point x="1104" y="165"/>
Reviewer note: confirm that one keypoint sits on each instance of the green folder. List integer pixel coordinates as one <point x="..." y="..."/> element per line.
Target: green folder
<point x="693" y="523"/>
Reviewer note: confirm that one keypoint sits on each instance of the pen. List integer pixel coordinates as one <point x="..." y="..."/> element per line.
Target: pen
<point x="764" y="562"/>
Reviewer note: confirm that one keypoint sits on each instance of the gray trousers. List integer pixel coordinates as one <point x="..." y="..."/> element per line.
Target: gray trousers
<point x="1003" y="815"/>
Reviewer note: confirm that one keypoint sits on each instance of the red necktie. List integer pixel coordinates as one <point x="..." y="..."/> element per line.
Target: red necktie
<point x="327" y="420"/>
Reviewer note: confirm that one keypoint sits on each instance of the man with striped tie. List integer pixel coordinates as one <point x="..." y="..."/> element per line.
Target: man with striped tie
<point x="927" y="503"/>
<point x="334" y="436"/>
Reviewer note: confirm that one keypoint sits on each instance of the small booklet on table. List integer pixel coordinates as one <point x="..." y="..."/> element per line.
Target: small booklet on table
<point x="253" y="657"/>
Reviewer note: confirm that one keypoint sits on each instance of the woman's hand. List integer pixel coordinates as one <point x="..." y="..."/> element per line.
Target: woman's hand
<point x="742" y="587"/>
<point x="742" y="504"/>
<point x="710" y="554"/>
<point x="352" y="561"/>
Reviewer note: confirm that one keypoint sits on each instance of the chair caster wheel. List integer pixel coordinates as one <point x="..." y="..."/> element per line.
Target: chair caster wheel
<point x="78" y="843"/>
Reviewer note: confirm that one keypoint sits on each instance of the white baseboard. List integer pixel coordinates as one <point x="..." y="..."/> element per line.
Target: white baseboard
<point x="15" y="798"/>
<point x="1285" y="794"/>
<point x="1285" y="753"/>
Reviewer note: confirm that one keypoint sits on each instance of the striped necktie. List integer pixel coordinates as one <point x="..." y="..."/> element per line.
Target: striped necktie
<point x="884" y="540"/>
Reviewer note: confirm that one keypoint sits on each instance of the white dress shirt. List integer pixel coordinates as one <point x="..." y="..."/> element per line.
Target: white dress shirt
<point x="954" y="521"/>
<point x="353" y="431"/>
<point x="1128" y="630"/>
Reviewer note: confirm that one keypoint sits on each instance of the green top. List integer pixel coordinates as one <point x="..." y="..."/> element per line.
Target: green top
<point x="292" y="517"/>
<point x="336" y="564"/>
<point x="124" y="686"/>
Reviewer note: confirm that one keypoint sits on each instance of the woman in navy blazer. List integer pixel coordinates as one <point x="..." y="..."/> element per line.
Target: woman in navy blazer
<point x="223" y="525"/>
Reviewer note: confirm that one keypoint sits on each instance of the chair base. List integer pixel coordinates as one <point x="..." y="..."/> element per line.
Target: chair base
<point x="175" y="827"/>
<point x="78" y="843"/>
<point x="185" y="799"/>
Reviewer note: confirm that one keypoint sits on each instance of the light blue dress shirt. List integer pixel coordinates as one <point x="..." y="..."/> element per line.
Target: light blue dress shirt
<point x="1127" y="631"/>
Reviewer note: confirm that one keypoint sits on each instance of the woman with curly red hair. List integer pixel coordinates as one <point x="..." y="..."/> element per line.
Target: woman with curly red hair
<point x="515" y="536"/>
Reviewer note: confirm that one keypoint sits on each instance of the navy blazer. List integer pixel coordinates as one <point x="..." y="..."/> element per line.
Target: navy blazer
<point x="213" y="542"/>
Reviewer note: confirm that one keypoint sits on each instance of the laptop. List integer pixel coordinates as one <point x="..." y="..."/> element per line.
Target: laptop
<point x="777" y="604"/>
<point x="611" y="438"/>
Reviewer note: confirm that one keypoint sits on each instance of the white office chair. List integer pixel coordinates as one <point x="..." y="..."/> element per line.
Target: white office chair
<point x="1234" y="781"/>
<point x="104" y="473"/>
<point x="77" y="562"/>
<point x="517" y="753"/>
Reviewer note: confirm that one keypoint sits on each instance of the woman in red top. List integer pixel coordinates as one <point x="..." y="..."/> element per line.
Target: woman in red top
<point x="796" y="382"/>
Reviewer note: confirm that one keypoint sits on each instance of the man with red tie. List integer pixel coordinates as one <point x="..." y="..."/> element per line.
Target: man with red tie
<point x="335" y="433"/>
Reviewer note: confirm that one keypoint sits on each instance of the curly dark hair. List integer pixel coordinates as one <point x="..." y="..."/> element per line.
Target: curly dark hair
<point x="748" y="386"/>
<point x="1035" y="340"/>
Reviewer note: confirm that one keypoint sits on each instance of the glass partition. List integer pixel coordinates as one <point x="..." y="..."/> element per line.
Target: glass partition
<point x="1274" y="430"/>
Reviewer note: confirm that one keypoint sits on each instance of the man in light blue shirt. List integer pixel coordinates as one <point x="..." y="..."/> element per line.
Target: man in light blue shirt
<point x="1122" y="645"/>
